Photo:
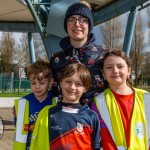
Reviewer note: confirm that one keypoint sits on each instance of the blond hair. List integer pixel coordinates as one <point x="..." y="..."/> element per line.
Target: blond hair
<point x="86" y="4"/>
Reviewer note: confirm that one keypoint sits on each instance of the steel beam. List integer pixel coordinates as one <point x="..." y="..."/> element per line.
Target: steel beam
<point x="31" y="47"/>
<point x="118" y="8"/>
<point x="18" y="26"/>
<point x="129" y="31"/>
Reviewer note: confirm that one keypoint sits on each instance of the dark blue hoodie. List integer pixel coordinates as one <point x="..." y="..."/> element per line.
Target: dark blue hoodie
<point x="89" y="55"/>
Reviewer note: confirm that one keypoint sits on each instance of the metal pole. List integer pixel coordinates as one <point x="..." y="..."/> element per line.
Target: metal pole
<point x="31" y="47"/>
<point x="40" y="28"/>
<point x="11" y="81"/>
<point x="129" y="31"/>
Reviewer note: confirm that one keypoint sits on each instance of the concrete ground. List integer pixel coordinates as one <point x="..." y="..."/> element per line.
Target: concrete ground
<point x="7" y="101"/>
<point x="6" y="140"/>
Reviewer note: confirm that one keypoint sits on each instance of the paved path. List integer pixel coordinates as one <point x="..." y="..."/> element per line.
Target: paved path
<point x="7" y="101"/>
<point x="7" y="137"/>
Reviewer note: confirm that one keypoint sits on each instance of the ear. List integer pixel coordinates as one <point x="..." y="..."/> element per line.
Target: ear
<point x="60" y="85"/>
<point x="51" y="82"/>
<point x="129" y="70"/>
<point x="85" y="90"/>
<point x="103" y="73"/>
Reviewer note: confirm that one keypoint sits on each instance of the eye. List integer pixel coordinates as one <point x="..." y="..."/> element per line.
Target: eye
<point x="67" y="81"/>
<point x="83" y="20"/>
<point x="71" y="20"/>
<point x="32" y="83"/>
<point x="109" y="67"/>
<point x="42" y="82"/>
<point x="79" y="84"/>
<point x="120" y="67"/>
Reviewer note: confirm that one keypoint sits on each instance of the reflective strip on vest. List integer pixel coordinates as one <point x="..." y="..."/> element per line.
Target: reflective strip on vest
<point x="54" y="100"/>
<point x="100" y="101"/>
<point x="20" y="121"/>
<point x="147" y="112"/>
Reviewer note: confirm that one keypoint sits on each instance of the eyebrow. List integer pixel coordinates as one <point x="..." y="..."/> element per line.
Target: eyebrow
<point x="112" y="64"/>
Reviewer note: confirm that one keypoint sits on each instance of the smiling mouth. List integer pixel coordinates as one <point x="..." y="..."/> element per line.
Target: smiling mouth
<point x="115" y="77"/>
<point x="37" y="91"/>
<point x="71" y="93"/>
<point x="77" y="31"/>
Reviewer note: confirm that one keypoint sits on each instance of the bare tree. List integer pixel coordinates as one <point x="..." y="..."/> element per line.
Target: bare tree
<point x="148" y="13"/>
<point x="146" y="68"/>
<point x="7" y="47"/>
<point x="39" y="47"/>
<point x="112" y="33"/>
<point x="136" y="53"/>
<point x="25" y="49"/>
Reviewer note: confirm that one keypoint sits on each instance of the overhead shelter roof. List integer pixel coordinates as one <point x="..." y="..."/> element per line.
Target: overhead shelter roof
<point x="15" y="15"/>
<point x="14" y="11"/>
<point x="17" y="11"/>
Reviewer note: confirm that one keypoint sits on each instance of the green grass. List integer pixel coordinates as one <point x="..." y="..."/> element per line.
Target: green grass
<point x="21" y="94"/>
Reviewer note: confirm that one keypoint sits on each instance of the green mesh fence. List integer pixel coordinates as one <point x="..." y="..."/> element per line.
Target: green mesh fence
<point x="8" y="84"/>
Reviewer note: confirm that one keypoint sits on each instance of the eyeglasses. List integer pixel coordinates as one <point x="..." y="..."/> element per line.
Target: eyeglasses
<point x="82" y="21"/>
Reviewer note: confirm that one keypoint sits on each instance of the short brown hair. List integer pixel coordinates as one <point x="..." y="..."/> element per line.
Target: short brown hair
<point x="39" y="70"/>
<point x="83" y="72"/>
<point x="120" y="53"/>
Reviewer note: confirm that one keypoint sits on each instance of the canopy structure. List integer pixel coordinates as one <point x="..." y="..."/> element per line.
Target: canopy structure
<point x="15" y="16"/>
<point x="46" y="17"/>
<point x="17" y="11"/>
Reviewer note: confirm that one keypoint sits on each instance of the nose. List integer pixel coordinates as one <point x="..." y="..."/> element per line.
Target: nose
<point x="37" y="85"/>
<point x="115" y="69"/>
<point x="77" y="22"/>
<point x="72" y="86"/>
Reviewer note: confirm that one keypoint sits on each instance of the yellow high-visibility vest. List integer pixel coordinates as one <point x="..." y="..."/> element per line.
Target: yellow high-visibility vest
<point x="110" y="113"/>
<point x="22" y="113"/>
<point x="40" y="135"/>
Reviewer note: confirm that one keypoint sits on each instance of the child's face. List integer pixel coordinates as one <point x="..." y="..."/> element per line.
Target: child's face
<point x="40" y="88"/>
<point x="116" y="70"/>
<point x="72" y="88"/>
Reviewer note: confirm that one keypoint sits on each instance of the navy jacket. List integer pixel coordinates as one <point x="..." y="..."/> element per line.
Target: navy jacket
<point x="73" y="130"/>
<point x="89" y="55"/>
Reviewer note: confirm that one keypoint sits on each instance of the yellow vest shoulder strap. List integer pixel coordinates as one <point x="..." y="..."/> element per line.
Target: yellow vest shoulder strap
<point x="54" y="100"/>
<point x="22" y="111"/>
<point x="104" y="112"/>
<point x="102" y="107"/>
<point x="21" y="119"/>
